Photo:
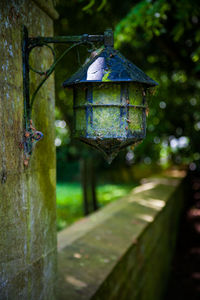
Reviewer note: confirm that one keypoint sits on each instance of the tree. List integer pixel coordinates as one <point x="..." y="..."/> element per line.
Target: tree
<point x="161" y="37"/>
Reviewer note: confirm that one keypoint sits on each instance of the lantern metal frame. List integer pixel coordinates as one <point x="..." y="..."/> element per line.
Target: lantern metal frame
<point x="31" y="135"/>
<point x="109" y="121"/>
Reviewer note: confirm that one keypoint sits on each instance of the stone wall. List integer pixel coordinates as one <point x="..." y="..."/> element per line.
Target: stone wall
<point x="27" y="195"/>
<point x="124" y="250"/>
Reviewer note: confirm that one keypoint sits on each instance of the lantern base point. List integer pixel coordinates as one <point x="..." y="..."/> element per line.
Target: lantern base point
<point x="110" y="147"/>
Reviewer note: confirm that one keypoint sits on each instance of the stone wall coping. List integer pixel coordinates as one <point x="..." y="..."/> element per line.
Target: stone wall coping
<point x="90" y="249"/>
<point x="69" y="235"/>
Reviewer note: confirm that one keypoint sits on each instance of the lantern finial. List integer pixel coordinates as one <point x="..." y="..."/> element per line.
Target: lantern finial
<point x="108" y="38"/>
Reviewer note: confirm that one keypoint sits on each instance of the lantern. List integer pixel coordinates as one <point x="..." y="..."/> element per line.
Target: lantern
<point x="109" y="102"/>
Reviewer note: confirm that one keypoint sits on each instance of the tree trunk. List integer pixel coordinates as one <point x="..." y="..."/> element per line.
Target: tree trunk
<point x="84" y="182"/>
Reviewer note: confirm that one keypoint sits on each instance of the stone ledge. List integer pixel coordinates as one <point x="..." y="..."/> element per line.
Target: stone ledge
<point x="98" y="255"/>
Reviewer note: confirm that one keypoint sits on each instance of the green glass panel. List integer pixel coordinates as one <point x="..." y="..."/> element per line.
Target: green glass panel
<point x="135" y="94"/>
<point x="80" y="119"/>
<point x="135" y="120"/>
<point x="107" y="123"/>
<point x="80" y="95"/>
<point x="106" y="93"/>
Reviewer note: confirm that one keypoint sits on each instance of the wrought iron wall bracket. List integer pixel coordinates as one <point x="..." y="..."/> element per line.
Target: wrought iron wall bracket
<point x="31" y="135"/>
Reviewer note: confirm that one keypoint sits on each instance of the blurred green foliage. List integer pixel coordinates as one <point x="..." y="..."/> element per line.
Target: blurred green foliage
<point x="166" y="34"/>
<point x="162" y="38"/>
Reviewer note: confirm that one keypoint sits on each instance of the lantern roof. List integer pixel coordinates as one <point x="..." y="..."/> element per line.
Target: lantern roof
<point x="109" y="65"/>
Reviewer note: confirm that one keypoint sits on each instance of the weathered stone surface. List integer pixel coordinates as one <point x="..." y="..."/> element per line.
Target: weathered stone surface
<point x="123" y="251"/>
<point x="27" y="195"/>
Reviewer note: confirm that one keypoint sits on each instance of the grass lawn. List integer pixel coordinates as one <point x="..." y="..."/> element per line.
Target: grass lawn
<point x="69" y="200"/>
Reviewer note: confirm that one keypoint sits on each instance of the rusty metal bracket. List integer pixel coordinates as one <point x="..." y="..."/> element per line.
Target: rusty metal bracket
<point x="31" y="135"/>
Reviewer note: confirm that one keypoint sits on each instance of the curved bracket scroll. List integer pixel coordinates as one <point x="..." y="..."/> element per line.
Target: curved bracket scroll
<point x="31" y="135"/>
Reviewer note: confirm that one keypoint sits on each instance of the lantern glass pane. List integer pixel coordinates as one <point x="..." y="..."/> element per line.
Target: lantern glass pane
<point x="107" y="122"/>
<point x="136" y="119"/>
<point x="80" y="95"/>
<point x="106" y="93"/>
<point x="80" y="117"/>
<point x="135" y="94"/>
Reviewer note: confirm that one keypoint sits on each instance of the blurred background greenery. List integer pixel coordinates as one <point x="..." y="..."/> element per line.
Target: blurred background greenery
<point x="163" y="39"/>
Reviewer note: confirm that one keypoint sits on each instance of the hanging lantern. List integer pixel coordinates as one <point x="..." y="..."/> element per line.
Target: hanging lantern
<point x="109" y="102"/>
